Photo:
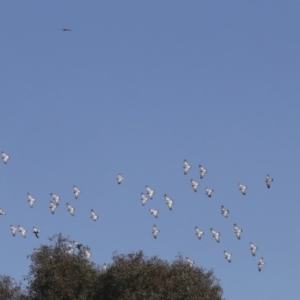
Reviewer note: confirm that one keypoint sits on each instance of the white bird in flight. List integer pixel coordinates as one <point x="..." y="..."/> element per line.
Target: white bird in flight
<point x="208" y="192"/>
<point x="55" y="198"/>
<point x="186" y="167"/>
<point x="52" y="207"/>
<point x="154" y="212"/>
<point x="13" y="230"/>
<point x="143" y="199"/>
<point x="2" y="212"/>
<point x="237" y="231"/>
<point x="31" y="200"/>
<point x="190" y="262"/>
<point x="22" y="230"/>
<point x="149" y="192"/>
<point x="202" y="171"/>
<point x="216" y="235"/>
<point x="155" y="231"/>
<point x="36" y="232"/>
<point x="260" y="264"/>
<point x="195" y="185"/>
<point x="227" y="256"/>
<point x="242" y="188"/>
<point x="76" y="191"/>
<point x="119" y="178"/>
<point x="224" y="211"/>
<point x="268" y="181"/>
<point x="71" y="209"/>
<point x="5" y="157"/>
<point x="253" y="249"/>
<point x="94" y="216"/>
<point x="169" y="202"/>
<point x="199" y="232"/>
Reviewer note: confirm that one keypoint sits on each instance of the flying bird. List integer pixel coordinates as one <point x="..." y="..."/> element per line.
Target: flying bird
<point x="13" y="230"/>
<point x="31" y="200"/>
<point x="242" y="188"/>
<point x="224" y="211"/>
<point x="155" y="231"/>
<point x="94" y="216"/>
<point x="143" y="199"/>
<point x="186" y="167"/>
<point x="119" y="178"/>
<point x="5" y="157"/>
<point x="71" y="209"/>
<point x="190" y="262"/>
<point x="202" y="171"/>
<point x="55" y="198"/>
<point x="227" y="256"/>
<point x="253" y="249"/>
<point x="150" y="192"/>
<point x="22" y="230"/>
<point x="237" y="231"/>
<point x="36" y="232"/>
<point x="52" y="207"/>
<point x="154" y="212"/>
<point x="260" y="264"/>
<point x="169" y="202"/>
<point x="66" y="29"/>
<point x="216" y="235"/>
<point x="195" y="185"/>
<point x="2" y="212"/>
<point x="76" y="191"/>
<point x="268" y="181"/>
<point x="199" y="232"/>
<point x="208" y="192"/>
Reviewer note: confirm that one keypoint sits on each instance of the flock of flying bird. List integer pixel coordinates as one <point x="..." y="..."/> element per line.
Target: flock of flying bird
<point x="54" y="203"/>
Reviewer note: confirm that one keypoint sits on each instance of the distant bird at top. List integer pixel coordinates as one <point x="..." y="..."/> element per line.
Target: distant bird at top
<point x="237" y="231"/>
<point x="22" y="230"/>
<point x="169" y="202"/>
<point x="195" y="185"/>
<point x="66" y="29"/>
<point x="242" y="188"/>
<point x="143" y="199"/>
<point x="76" y="191"/>
<point x="216" y="235"/>
<point x="208" y="192"/>
<point x="260" y="264"/>
<point x="199" y="232"/>
<point x="36" y="232"/>
<point x="186" y="167"/>
<point x="71" y="209"/>
<point x="55" y="198"/>
<point x="154" y="212"/>
<point x="268" y="181"/>
<point x="202" y="171"/>
<point x="150" y="192"/>
<point x="31" y="200"/>
<point x="2" y="212"/>
<point x="227" y="256"/>
<point x="224" y="211"/>
<point x="119" y="178"/>
<point x="253" y="249"/>
<point x="94" y="216"/>
<point x="5" y="157"/>
<point x="190" y="262"/>
<point x="155" y="231"/>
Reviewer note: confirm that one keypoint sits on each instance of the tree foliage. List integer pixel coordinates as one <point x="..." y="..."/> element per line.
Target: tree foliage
<point x="56" y="274"/>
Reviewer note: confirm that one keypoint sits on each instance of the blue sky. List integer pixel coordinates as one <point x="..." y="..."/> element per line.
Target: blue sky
<point x="137" y="87"/>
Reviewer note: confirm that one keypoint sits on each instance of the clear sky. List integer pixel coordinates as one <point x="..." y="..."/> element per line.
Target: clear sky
<point x="137" y="87"/>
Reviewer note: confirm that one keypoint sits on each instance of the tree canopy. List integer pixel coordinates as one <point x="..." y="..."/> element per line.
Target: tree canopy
<point x="57" y="273"/>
